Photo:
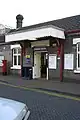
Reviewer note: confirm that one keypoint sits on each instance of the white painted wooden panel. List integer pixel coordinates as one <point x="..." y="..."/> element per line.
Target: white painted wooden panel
<point x="40" y="43"/>
<point x="76" y="40"/>
<point x="33" y="34"/>
<point x="37" y="65"/>
<point x="15" y="46"/>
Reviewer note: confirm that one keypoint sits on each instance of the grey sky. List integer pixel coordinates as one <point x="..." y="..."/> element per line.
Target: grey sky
<point x="36" y="11"/>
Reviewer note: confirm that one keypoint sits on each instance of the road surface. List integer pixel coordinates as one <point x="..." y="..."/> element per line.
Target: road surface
<point x="43" y="106"/>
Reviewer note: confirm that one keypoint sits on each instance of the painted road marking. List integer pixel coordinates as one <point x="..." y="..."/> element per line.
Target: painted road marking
<point x="42" y="91"/>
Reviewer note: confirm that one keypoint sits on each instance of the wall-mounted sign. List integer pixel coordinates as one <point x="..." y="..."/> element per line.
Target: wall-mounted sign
<point x="27" y="56"/>
<point x="54" y="44"/>
<point x="52" y="61"/>
<point x="40" y="49"/>
<point x="68" y="61"/>
<point x="28" y="59"/>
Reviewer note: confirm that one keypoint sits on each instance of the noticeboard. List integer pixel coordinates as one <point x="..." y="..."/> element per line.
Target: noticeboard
<point x="68" y="61"/>
<point x="52" y="61"/>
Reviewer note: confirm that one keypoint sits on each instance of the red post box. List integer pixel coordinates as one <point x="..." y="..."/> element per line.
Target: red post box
<point x="4" y="67"/>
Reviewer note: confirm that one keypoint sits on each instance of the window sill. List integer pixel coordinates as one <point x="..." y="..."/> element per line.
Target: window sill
<point x="76" y="71"/>
<point x="16" y="67"/>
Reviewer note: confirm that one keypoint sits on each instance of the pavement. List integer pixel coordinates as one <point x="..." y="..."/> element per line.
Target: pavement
<point x="56" y="86"/>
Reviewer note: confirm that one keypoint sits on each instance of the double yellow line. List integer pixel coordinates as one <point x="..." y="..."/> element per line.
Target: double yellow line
<point x="44" y="92"/>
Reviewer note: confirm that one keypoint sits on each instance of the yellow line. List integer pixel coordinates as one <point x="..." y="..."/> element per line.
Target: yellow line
<point x="42" y="91"/>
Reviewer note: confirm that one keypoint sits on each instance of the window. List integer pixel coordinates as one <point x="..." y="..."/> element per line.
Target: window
<point x="1" y="58"/>
<point x="16" y="57"/>
<point x="78" y="56"/>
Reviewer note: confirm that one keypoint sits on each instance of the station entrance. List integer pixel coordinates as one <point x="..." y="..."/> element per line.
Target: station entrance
<point x="40" y="64"/>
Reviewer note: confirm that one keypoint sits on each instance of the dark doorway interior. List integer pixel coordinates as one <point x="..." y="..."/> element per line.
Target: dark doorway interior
<point x="43" y="65"/>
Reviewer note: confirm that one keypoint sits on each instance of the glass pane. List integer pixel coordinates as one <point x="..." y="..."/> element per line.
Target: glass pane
<point x="78" y="46"/>
<point x="78" y="60"/>
<point x="1" y="58"/>
<point x="15" y="51"/>
<point x="19" y="60"/>
<point x="19" y="51"/>
<point x="15" y="60"/>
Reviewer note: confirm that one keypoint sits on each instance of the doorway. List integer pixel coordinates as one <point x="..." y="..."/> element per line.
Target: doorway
<point x="40" y="65"/>
<point x="43" y="64"/>
<point x="37" y="65"/>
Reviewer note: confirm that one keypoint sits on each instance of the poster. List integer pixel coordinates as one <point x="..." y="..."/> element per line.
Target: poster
<point x="52" y="61"/>
<point x="28" y="59"/>
<point x="68" y="61"/>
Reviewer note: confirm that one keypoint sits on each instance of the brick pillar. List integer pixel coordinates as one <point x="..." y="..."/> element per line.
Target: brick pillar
<point x="61" y="61"/>
<point x="22" y="54"/>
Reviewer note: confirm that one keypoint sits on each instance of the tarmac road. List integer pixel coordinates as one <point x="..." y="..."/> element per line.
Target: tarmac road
<point x="43" y="106"/>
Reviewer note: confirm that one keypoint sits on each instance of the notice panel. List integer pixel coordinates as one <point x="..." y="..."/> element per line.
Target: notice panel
<point x="52" y="61"/>
<point x="68" y="61"/>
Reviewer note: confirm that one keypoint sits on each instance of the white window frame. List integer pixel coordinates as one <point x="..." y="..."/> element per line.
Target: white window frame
<point x="17" y="54"/>
<point x="77" y="41"/>
<point x="1" y="58"/>
<point x="78" y="52"/>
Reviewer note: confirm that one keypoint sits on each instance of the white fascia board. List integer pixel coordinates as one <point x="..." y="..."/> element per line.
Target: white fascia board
<point x="33" y="34"/>
<point x="76" y="40"/>
<point x="15" y="46"/>
<point x="40" y="43"/>
<point x="57" y="33"/>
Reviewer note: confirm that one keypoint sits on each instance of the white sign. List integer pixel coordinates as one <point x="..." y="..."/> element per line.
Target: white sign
<point x="68" y="61"/>
<point x="1" y="58"/>
<point x="52" y="61"/>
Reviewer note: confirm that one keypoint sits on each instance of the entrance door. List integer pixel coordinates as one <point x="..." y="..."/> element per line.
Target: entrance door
<point x="43" y="65"/>
<point x="37" y="65"/>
